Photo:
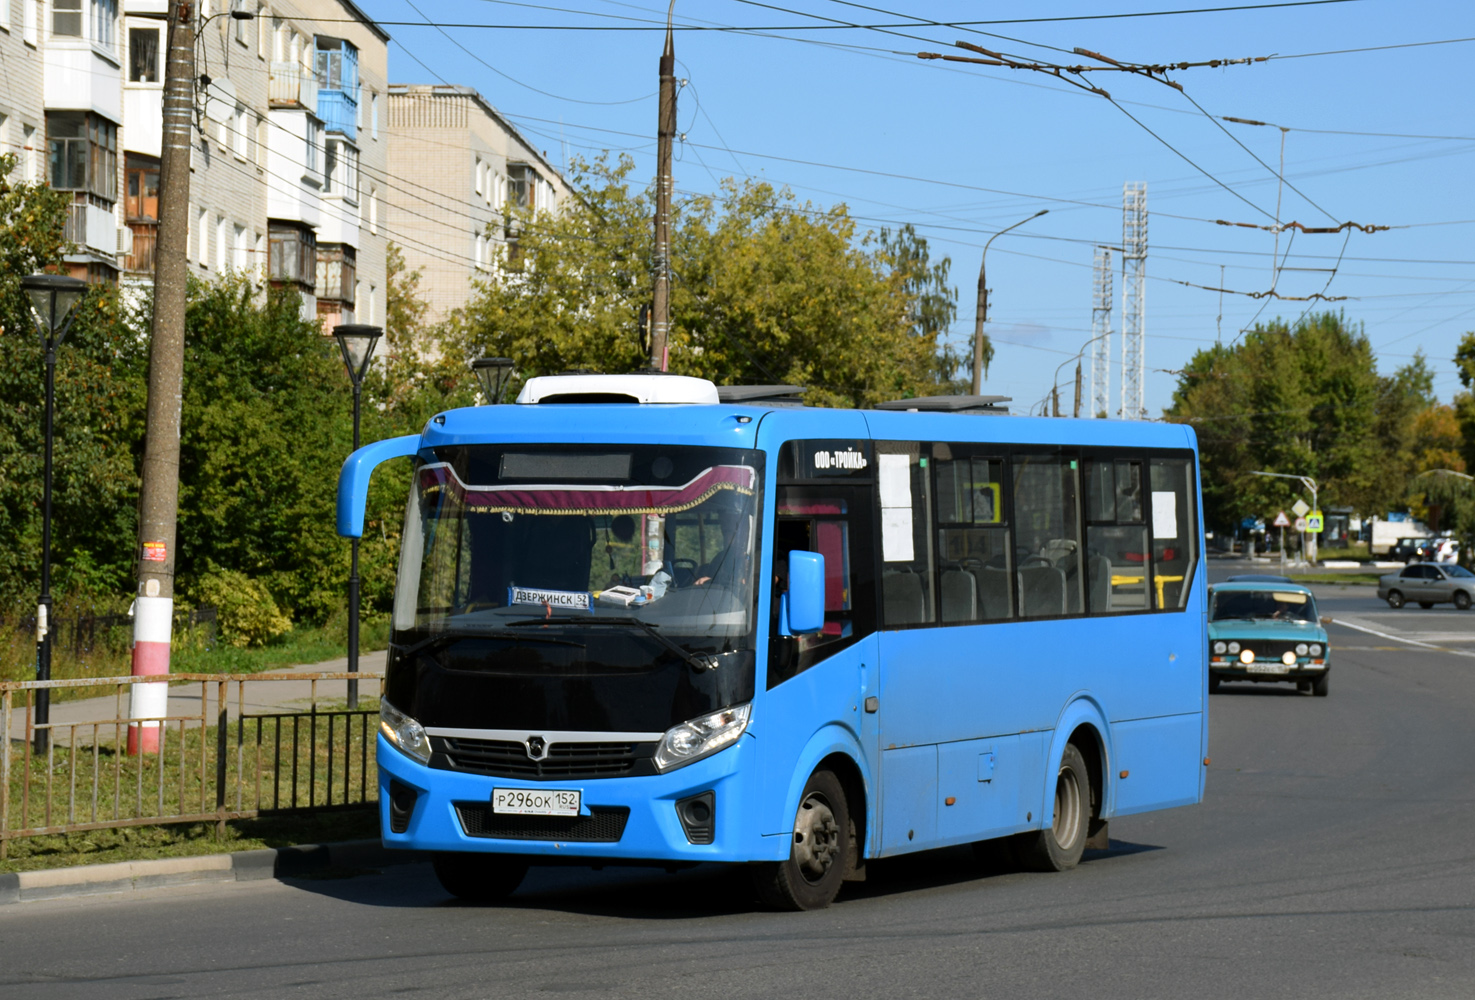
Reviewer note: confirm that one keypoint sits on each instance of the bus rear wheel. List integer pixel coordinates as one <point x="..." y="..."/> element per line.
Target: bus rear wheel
<point x="479" y="878"/>
<point x="1061" y="846"/>
<point x="818" y="856"/>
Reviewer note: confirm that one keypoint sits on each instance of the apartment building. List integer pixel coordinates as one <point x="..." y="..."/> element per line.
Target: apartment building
<point x="286" y="127"/>
<point x="22" y="85"/>
<point x="455" y="165"/>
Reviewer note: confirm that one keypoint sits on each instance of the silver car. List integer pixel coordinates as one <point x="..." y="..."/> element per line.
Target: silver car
<point x="1428" y="584"/>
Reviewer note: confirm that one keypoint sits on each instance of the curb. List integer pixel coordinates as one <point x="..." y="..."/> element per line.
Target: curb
<point x="241" y="866"/>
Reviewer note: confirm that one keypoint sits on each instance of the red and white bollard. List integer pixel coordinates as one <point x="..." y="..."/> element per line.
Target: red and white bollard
<point x="153" y="618"/>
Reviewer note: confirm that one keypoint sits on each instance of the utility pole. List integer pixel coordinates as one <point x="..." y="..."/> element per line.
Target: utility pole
<point x="981" y="314"/>
<point x="158" y="506"/>
<point x="660" y="325"/>
<point x="1078" y="390"/>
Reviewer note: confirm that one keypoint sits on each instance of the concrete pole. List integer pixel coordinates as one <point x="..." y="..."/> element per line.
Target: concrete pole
<point x="158" y="505"/>
<point x="660" y="327"/>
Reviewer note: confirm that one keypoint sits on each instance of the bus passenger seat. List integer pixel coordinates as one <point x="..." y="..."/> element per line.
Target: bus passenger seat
<point x="1041" y="591"/>
<point x="903" y="596"/>
<point x="993" y="588"/>
<point x="1098" y="582"/>
<point x="959" y="596"/>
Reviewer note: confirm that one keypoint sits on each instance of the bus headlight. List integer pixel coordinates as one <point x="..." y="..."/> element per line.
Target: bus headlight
<point x="701" y="737"/>
<point x="407" y="735"/>
<point x="1219" y="648"/>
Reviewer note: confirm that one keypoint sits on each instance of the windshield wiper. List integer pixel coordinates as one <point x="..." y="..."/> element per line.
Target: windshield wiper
<point x="496" y="633"/>
<point x="700" y="662"/>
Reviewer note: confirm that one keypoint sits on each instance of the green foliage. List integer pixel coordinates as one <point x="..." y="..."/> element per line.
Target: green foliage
<point x="765" y="290"/>
<point x="1306" y="400"/>
<point x="247" y="614"/>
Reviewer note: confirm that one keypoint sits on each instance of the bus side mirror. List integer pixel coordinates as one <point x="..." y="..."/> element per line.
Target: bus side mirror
<point x="802" y="608"/>
<point x="353" y="479"/>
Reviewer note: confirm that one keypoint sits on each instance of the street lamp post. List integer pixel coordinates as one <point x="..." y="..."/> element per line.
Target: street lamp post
<point x="53" y="297"/>
<point x="982" y="311"/>
<point x="493" y="374"/>
<point x="1310" y="484"/>
<point x="357" y="341"/>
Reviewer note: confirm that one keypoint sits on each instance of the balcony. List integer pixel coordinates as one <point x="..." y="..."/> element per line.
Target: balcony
<point x="292" y="85"/>
<point x="339" y="112"/>
<point x="91" y="225"/>
<point x="145" y="239"/>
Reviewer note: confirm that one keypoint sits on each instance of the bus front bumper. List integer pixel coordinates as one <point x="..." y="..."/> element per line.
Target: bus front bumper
<point x="632" y="819"/>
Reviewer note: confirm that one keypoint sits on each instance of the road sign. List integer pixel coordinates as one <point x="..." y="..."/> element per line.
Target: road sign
<point x="1300" y="524"/>
<point x="1300" y="507"/>
<point x="1281" y="521"/>
<point x="1315" y="522"/>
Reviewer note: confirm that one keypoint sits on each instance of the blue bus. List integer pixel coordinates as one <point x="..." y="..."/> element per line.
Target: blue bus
<point x="640" y="619"/>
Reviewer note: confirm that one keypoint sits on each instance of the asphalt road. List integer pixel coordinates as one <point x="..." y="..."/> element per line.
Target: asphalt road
<point x="1332" y="857"/>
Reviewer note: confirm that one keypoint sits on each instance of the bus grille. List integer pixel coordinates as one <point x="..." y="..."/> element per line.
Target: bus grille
<point x="603" y="825"/>
<point x="564" y="761"/>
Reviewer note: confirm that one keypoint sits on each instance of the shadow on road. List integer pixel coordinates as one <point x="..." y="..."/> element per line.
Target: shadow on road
<point x="652" y="894"/>
<point x="1282" y="690"/>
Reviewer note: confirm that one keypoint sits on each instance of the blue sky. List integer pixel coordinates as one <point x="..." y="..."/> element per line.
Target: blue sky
<point x="851" y="115"/>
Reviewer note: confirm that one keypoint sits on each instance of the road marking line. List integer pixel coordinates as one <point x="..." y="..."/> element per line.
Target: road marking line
<point x="1399" y="638"/>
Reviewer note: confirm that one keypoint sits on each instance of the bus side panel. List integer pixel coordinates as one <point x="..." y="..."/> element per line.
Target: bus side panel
<point x="787" y="718"/>
<point x="910" y="800"/>
<point x="1160" y="759"/>
<point x="984" y="803"/>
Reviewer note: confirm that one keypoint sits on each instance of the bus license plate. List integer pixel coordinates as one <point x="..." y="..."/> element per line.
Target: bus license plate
<point x="1266" y="668"/>
<point x="536" y="801"/>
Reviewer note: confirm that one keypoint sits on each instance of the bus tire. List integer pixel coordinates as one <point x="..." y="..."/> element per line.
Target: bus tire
<point x="1060" y="847"/>
<point x="479" y="878"/>
<point x="1320" y="685"/>
<point x="811" y="876"/>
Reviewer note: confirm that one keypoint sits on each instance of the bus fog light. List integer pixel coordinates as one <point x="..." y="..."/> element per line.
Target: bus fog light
<point x="407" y="735"/>
<point x="700" y="737"/>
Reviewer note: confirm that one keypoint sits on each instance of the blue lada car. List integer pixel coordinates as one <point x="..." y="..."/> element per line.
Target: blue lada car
<point x="1267" y="632"/>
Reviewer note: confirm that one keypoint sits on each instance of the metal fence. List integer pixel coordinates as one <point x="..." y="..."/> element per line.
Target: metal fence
<point x="231" y="746"/>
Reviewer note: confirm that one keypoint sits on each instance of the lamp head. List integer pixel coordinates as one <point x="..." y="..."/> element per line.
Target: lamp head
<point x="53" y="297"/>
<point x="493" y="374"/>
<point x="357" y="341"/>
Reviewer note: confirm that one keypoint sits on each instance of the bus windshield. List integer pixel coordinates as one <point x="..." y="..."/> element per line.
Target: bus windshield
<point x="650" y="536"/>
<point x="1280" y="605"/>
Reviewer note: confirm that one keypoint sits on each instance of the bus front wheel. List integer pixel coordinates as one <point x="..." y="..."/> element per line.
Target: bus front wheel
<point x="479" y="878"/>
<point x="1061" y="846"/>
<point x="811" y="876"/>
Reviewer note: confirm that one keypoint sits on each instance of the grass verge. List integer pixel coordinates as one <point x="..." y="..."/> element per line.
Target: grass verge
<point x="1355" y="579"/>
<point x="98" y="847"/>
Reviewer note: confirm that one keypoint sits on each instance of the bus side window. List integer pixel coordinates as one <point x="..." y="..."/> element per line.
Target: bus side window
<point x="974" y="554"/>
<point x="1046" y="533"/>
<point x="1116" y="537"/>
<point x="1174" y="531"/>
<point x="906" y="534"/>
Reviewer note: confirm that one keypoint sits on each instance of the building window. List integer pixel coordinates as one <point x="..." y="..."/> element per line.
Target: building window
<point x="104" y="18"/>
<point x="242" y="25"/>
<point x="261" y="141"/>
<point x="222" y="244"/>
<point x="478" y="176"/>
<point x="204" y="230"/>
<point x="83" y="151"/>
<point x="241" y="138"/>
<point x="143" y="55"/>
<point x="292" y="256"/>
<point x="314" y="141"/>
<point x="373" y="210"/>
<point x="241" y="247"/>
<point x="341" y="170"/>
<point x="522" y="186"/>
<point x="66" y="18"/>
<point x="374" y="116"/>
<point x="337" y="65"/>
<point x="337" y="273"/>
<point x="29" y="29"/>
<point x="29" y="157"/>
<point x="263" y="33"/>
<point x="141" y="199"/>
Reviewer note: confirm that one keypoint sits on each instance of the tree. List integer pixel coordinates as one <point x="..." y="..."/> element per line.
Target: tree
<point x="765" y="290"/>
<point x="1305" y="400"/>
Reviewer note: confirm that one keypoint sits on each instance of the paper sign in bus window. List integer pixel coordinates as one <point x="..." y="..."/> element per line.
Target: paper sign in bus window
<point x="896" y="508"/>
<point x="1164" y="514"/>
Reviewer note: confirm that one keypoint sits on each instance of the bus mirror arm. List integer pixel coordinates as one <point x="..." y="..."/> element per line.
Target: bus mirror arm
<point x="353" y="480"/>
<point x="802" y="607"/>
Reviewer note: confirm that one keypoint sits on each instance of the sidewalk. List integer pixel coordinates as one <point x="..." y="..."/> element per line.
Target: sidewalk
<point x="184" y="699"/>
